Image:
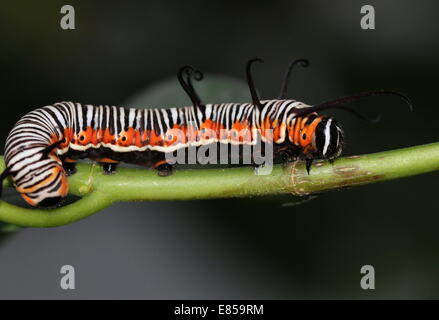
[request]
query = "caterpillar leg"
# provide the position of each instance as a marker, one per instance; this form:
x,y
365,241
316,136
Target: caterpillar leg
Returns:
x,y
69,166
288,156
109,168
308,163
163,168
108,165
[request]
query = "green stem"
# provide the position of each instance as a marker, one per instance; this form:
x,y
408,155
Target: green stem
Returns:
x,y
365,169
99,190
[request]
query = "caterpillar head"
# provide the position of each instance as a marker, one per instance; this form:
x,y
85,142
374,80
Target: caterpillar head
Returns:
x,y
319,137
328,139
43,183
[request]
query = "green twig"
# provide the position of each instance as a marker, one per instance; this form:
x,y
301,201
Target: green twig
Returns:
x,y
99,191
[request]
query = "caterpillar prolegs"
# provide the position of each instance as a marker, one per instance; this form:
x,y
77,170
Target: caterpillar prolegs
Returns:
x,y
43,146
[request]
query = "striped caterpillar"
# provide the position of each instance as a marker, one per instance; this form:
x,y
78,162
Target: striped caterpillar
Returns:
x,y
43,146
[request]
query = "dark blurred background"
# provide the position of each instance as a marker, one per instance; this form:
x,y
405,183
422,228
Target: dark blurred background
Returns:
x,y
238,248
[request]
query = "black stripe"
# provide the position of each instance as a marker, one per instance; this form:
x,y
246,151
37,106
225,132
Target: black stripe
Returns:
x,y
310,120
64,110
84,117
141,120
77,128
117,117
126,116
171,121
104,118
93,116
147,121
54,117
110,121
156,122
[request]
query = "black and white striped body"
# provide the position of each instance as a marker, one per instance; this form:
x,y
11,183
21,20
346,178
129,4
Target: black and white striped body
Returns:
x,y
112,132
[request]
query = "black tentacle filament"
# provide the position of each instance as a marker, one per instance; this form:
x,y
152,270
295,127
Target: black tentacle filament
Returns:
x,y
185,75
340,103
251,84
304,63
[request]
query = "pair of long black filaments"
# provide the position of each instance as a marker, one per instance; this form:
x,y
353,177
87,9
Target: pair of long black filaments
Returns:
x,y
186,73
338,103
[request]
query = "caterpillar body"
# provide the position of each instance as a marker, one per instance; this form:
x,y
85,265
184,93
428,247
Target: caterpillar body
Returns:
x,y
43,146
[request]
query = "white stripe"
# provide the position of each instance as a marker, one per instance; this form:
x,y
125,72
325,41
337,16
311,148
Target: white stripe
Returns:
x,y
194,116
151,121
115,121
174,114
58,115
145,116
101,114
199,115
240,109
327,136
80,117
90,110
208,111
132,115
138,116
122,118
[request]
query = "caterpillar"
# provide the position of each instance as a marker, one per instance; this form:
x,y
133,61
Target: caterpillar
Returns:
x,y
43,146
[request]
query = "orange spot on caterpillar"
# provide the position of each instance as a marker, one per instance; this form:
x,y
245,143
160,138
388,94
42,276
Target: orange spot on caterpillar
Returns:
x,y
155,140
126,138
308,132
95,136
108,137
138,138
85,136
